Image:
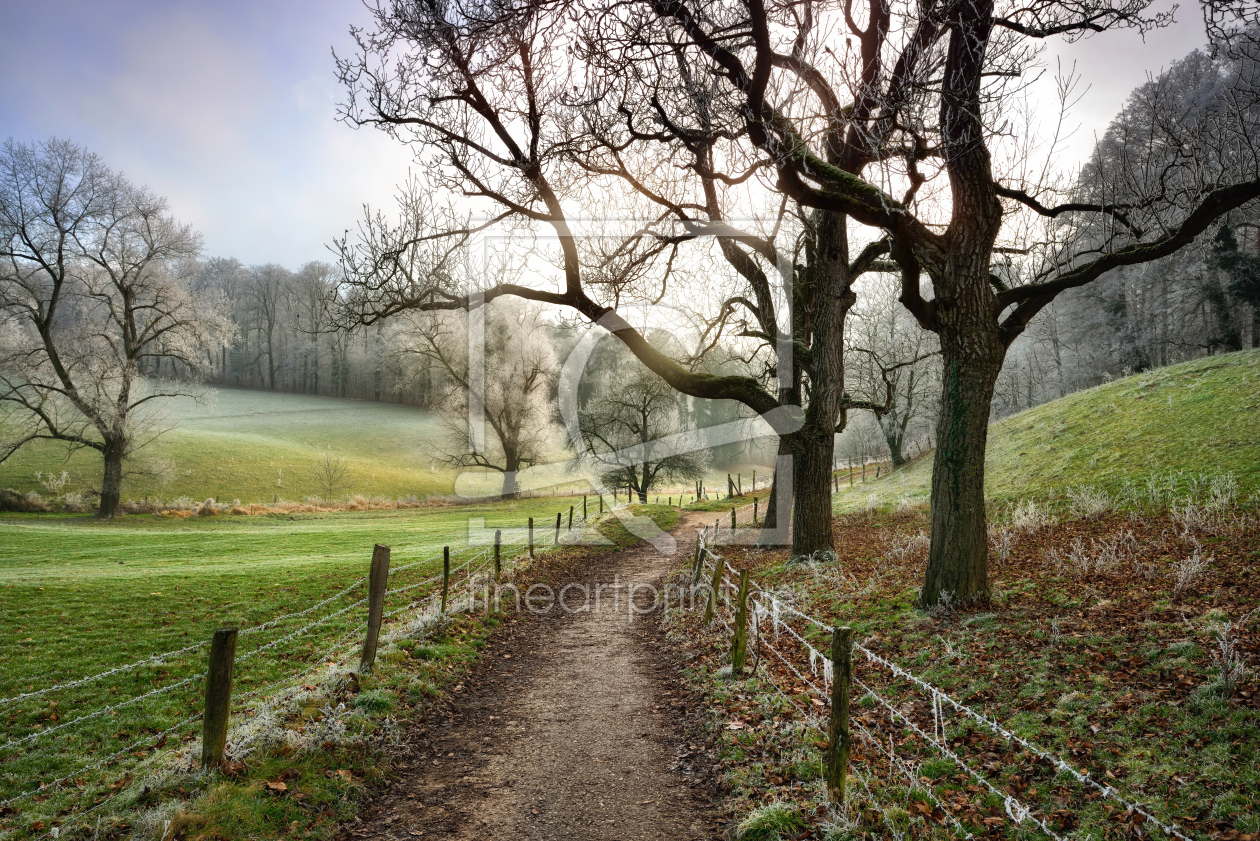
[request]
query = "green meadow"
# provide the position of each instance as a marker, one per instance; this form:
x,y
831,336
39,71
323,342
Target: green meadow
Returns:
x,y
1174,426
79,596
256,446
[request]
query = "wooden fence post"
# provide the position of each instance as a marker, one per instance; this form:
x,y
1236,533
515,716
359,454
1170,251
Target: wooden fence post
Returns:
x,y
601,503
570,518
498,547
218,697
739,647
584,507
698,565
754,510
446,576
556,541
711,608
838,743
378,580
732,519
531,537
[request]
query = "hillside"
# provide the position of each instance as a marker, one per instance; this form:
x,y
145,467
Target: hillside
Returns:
x,y
255,445
1197,419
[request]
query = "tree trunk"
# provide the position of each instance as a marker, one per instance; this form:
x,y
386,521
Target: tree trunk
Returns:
x,y
111,483
811,477
894,438
958,558
771,520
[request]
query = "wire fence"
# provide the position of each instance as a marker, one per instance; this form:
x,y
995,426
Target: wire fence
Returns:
x,y
1033,788
76,744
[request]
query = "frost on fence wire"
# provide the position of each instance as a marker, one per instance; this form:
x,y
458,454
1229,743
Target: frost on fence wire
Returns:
x,y
767,606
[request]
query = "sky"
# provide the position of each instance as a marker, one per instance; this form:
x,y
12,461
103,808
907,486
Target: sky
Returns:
x,y
227,107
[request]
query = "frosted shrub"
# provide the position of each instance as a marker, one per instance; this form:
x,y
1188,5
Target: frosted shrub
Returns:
x,y
53,483
1098,556
1115,551
1186,571
1223,492
819,556
75,503
905,547
1089,503
945,607
1029,516
1231,668
1002,543
1076,560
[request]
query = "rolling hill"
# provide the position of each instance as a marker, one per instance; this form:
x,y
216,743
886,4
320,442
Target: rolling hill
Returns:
x,y
256,445
1176,426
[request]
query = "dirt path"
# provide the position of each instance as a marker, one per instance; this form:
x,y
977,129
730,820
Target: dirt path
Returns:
x,y
571,730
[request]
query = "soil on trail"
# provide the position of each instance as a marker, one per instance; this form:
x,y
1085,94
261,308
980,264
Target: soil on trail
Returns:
x,y
571,729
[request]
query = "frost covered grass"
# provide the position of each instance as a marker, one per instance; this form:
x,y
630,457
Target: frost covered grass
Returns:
x,y
1140,441
1127,645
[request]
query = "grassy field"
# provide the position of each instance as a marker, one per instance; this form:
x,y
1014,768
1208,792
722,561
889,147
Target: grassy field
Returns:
x,y
1177,423
257,445
78,597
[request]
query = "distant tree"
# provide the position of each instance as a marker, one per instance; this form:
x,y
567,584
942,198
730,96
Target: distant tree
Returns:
x,y
95,282
895,363
221,279
310,293
330,474
267,290
622,428
1242,272
512,391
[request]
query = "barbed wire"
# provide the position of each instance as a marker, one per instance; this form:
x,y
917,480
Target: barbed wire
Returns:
x,y
100,763
291,635
155,659
939,697
39,734
268,625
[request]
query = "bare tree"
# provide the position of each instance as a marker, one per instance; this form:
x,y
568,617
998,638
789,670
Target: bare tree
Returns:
x,y
922,101
487,89
906,132
95,282
622,428
330,474
891,355
267,290
508,389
